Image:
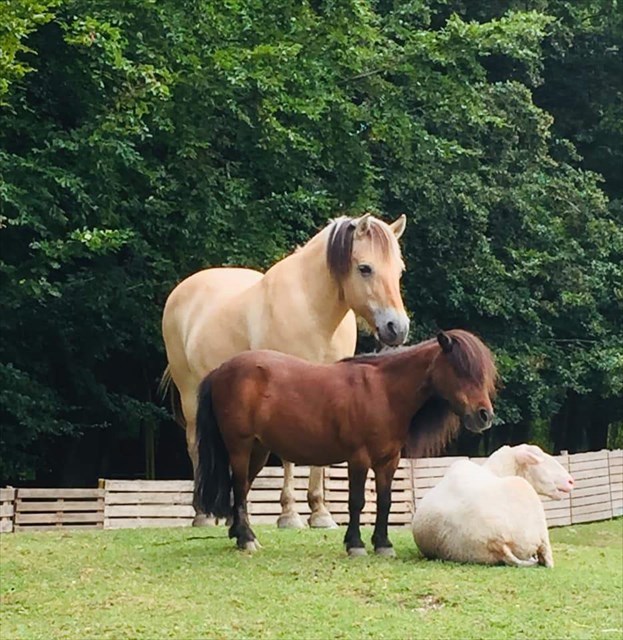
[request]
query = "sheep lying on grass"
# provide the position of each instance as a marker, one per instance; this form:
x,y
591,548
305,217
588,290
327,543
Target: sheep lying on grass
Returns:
x,y
492,513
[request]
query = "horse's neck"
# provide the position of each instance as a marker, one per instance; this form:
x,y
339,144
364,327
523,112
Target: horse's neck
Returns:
x,y
304,280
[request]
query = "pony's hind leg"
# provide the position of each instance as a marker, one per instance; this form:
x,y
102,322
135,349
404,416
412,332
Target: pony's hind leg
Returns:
x,y
356,501
320,517
289,518
240,528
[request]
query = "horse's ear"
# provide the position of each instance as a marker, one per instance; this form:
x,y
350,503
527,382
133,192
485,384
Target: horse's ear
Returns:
x,y
398,226
445,342
362,225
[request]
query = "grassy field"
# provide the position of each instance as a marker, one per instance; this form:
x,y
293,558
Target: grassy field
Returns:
x,y
189,583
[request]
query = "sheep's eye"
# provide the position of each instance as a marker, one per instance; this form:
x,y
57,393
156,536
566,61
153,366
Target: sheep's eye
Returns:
x,y
365,270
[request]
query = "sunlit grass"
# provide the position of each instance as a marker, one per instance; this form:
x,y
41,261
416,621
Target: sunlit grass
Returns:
x,y
190,583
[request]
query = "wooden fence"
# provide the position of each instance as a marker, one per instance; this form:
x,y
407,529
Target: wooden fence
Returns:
x,y
118,504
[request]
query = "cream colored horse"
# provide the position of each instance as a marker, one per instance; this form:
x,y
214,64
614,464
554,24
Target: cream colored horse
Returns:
x,y
303,306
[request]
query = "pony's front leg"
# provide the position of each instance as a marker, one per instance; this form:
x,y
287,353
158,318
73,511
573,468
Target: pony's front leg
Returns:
x,y
320,517
383,479
356,501
289,518
241,528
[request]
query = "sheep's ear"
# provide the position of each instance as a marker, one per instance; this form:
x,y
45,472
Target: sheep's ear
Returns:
x,y
523,455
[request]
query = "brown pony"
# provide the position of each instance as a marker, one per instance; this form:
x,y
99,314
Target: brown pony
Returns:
x,y
361,410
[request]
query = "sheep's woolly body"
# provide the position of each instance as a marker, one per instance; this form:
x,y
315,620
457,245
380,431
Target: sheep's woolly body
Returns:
x,y
508,512
488,514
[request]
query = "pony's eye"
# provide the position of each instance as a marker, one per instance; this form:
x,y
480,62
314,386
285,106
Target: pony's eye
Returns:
x,y
365,270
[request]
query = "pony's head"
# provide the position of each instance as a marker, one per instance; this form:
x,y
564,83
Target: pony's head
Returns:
x,y
463,375
364,257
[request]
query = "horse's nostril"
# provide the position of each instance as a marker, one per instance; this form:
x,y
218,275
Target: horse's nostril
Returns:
x,y
391,329
484,415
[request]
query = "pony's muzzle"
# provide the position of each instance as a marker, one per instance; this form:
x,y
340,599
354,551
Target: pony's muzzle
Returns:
x,y
392,327
479,421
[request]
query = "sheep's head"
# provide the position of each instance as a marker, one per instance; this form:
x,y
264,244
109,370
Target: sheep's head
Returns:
x,y
547,476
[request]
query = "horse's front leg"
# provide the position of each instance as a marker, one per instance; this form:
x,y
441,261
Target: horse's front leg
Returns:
x,y
289,518
320,517
384,476
356,501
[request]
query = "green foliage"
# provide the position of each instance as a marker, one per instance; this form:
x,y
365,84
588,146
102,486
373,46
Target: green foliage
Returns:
x,y
153,139
19,18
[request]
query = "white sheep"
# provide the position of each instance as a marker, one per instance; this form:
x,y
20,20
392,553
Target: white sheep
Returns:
x,y
491,513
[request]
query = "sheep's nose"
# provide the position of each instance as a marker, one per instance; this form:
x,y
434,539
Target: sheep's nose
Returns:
x,y
571,482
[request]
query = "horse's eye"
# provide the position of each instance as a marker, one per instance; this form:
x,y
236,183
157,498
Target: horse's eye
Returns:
x,y
365,270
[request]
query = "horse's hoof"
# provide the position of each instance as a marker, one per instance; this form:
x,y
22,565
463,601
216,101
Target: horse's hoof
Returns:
x,y
201,520
251,546
322,521
356,552
386,552
290,521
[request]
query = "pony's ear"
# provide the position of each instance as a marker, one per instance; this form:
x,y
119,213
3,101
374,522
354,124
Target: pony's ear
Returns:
x,y
445,342
362,225
398,226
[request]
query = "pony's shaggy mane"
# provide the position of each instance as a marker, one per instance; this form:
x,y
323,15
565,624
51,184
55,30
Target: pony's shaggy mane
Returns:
x,y
435,424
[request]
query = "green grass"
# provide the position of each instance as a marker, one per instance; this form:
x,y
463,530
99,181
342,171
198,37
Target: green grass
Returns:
x,y
190,583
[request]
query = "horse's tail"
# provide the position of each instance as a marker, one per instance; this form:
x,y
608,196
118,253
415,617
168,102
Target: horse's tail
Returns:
x,y
168,386
213,481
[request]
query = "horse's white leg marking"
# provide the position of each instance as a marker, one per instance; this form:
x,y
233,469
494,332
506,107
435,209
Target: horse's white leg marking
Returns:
x,y
387,552
289,518
320,517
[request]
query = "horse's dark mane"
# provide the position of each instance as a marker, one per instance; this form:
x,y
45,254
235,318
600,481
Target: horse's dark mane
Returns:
x,y
340,244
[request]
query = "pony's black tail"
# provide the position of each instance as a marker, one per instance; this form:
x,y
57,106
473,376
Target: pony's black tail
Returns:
x,y
213,478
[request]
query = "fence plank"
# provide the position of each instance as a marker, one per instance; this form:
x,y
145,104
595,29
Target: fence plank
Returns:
x,y
142,523
150,511
149,497
24,506
60,493
160,486
57,518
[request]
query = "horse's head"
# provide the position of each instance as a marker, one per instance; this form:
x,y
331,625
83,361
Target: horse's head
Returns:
x,y
464,375
364,257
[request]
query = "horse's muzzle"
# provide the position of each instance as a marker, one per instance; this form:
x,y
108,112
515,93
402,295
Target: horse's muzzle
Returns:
x,y
392,327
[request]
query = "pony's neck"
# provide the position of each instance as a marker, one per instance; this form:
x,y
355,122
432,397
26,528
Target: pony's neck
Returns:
x,y
408,381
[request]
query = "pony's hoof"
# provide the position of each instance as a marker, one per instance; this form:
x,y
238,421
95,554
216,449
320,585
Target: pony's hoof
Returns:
x,y
201,520
252,546
290,521
356,552
322,521
386,552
